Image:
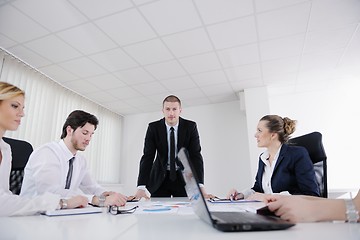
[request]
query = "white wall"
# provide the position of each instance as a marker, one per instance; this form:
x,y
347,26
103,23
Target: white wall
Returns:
x,y
334,111
223,137
226,141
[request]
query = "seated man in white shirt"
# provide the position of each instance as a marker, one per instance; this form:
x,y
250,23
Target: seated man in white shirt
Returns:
x,y
49,168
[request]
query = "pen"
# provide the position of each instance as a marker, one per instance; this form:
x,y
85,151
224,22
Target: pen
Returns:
x,y
233,196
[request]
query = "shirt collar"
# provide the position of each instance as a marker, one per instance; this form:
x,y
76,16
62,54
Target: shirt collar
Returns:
x,y
4,145
265,156
175,127
66,150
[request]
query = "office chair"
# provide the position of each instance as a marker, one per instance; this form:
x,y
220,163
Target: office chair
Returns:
x,y
21,151
313,143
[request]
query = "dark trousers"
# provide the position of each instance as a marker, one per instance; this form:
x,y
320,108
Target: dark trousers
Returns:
x,y
171,188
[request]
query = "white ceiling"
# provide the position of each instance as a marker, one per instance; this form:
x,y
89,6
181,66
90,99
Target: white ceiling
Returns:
x,y
127,55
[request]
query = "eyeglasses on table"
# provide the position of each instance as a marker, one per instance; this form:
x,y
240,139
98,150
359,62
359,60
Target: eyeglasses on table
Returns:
x,y
114,210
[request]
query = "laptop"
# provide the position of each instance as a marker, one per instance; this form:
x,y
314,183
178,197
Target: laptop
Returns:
x,y
223,221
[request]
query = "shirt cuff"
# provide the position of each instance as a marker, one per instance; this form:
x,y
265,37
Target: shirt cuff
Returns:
x,y
141,187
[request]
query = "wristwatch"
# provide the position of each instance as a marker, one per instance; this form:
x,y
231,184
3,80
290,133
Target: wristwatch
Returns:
x,y
102,199
352,215
63,204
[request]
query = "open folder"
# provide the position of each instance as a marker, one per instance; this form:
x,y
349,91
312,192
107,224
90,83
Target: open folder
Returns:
x,y
75,211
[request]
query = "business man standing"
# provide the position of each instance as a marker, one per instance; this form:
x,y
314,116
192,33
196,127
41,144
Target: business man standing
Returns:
x,y
164,138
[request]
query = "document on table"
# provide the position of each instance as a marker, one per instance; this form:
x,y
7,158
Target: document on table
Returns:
x,y
75,211
161,208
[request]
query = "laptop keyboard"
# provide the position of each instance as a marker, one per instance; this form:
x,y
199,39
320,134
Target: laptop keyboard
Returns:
x,y
239,217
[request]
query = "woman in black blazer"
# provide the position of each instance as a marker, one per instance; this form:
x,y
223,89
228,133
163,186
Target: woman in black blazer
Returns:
x,y
282,168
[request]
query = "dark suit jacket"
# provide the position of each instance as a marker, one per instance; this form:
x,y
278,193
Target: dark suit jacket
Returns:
x,y
293,172
152,172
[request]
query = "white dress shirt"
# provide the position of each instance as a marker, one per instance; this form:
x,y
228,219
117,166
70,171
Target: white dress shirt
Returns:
x,y
11,204
268,170
47,169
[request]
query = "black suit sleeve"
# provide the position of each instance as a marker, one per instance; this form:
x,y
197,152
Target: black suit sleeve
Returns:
x,y
147,159
194,149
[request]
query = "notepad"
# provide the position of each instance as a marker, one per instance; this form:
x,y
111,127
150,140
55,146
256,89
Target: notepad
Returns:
x,y
75,211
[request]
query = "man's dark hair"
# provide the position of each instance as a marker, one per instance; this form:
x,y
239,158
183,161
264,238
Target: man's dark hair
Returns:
x,y
78,118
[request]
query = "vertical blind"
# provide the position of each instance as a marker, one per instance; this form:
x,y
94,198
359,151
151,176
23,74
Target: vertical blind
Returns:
x,y
47,104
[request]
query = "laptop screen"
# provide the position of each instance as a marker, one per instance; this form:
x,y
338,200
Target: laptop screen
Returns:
x,y
193,189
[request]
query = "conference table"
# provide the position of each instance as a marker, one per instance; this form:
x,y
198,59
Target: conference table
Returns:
x,y
161,218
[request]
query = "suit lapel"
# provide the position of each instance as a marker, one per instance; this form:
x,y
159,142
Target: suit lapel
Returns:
x,y
181,134
281,156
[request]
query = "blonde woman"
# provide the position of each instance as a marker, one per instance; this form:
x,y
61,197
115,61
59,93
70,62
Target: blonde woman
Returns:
x,y
11,111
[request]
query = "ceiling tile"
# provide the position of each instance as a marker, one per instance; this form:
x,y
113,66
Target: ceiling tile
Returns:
x,y
96,40
330,14
266,5
287,78
121,32
83,67
239,55
124,92
49,46
233,33
114,60
29,56
134,76
201,63
6,42
81,86
351,56
247,83
180,83
209,78
138,101
170,69
105,82
188,43
150,88
18,27
283,22
187,94
140,2
280,66
196,101
149,52
95,9
58,15
243,72
220,10
171,17
100,97
321,60
226,97
217,89
282,47
58,73
327,40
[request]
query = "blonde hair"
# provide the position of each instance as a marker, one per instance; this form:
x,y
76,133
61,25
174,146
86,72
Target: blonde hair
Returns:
x,y
8,91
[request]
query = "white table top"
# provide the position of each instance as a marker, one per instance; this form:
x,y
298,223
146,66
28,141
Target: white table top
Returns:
x,y
181,224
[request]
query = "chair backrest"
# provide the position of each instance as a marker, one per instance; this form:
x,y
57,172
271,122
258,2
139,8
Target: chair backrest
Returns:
x,y
313,143
21,151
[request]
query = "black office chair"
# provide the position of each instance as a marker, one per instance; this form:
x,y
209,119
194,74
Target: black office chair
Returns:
x,y
21,151
313,143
